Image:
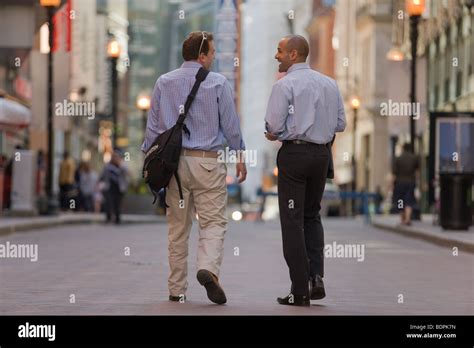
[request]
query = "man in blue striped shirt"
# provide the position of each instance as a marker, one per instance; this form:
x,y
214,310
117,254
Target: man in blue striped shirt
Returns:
x,y
304,111
211,119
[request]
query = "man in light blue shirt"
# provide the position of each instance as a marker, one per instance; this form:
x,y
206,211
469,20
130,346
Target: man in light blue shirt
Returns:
x,y
304,112
211,119
305,105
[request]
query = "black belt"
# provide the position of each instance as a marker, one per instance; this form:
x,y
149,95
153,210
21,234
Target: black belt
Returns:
x,y
301,142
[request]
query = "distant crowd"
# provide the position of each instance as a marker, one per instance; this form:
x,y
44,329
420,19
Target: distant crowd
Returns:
x,y
81,188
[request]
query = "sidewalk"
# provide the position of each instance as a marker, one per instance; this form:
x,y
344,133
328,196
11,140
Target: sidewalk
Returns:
x,y
426,230
17,224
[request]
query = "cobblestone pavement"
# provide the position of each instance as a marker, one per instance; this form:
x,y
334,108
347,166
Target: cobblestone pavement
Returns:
x,y
91,265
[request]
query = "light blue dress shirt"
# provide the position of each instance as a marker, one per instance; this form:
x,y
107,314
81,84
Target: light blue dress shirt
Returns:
x,y
305,105
211,117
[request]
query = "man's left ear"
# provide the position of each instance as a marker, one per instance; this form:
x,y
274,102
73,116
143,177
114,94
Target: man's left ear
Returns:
x,y
294,54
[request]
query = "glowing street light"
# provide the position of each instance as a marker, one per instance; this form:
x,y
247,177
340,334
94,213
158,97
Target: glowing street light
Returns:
x,y
143,104
113,49
355,103
415,7
395,54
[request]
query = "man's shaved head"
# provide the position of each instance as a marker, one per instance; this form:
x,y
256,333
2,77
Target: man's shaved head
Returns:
x,y
292,49
298,43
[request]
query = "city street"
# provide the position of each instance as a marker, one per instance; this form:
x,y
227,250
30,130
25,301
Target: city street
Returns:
x,y
106,270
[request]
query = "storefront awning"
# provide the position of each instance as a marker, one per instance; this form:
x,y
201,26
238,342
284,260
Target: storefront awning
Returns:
x,y
13,114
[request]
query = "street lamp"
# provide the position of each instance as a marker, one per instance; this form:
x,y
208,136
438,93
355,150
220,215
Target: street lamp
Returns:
x,y
113,52
395,54
414,9
50,5
143,104
355,105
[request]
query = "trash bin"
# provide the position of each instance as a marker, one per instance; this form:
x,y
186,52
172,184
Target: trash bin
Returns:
x,y
455,201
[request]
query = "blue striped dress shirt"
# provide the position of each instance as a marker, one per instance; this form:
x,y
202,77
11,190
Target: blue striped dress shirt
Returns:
x,y
211,117
305,105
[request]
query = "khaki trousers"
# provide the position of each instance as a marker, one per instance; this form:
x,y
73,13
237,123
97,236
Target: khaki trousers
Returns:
x,y
205,194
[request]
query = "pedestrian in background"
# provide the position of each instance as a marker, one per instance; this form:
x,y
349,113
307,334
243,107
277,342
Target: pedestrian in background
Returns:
x,y
304,111
262,198
115,182
378,200
79,206
87,186
98,199
405,171
41,174
67,169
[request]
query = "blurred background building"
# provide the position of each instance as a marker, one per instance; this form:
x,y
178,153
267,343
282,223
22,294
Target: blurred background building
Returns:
x,y
363,44
259,72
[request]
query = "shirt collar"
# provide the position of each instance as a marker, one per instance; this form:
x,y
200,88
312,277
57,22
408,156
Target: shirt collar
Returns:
x,y
298,66
191,64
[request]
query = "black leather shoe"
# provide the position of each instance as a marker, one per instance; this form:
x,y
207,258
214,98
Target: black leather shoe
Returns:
x,y
176,298
214,291
317,291
294,300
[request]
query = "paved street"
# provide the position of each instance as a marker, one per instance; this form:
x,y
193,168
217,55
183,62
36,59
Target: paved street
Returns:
x,y
90,262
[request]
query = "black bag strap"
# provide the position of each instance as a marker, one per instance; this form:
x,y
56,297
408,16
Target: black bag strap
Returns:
x,y
200,76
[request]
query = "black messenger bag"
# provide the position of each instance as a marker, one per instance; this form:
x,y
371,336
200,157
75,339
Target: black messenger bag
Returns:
x,y
162,158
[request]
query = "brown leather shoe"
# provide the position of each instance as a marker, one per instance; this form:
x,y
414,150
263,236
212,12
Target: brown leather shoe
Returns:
x,y
177,298
215,293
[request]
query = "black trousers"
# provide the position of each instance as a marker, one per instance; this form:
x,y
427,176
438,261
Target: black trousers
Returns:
x,y
302,171
65,191
113,204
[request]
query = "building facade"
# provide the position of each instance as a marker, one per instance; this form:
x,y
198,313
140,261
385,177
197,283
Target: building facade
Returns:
x,y
364,33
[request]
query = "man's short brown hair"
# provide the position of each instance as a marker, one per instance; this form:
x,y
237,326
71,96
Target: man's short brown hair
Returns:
x,y
193,42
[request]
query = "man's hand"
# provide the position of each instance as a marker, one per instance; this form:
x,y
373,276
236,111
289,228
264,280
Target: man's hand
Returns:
x,y
241,170
270,136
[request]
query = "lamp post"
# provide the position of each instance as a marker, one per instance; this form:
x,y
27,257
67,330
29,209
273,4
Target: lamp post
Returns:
x,y
414,9
50,5
113,52
355,104
143,104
